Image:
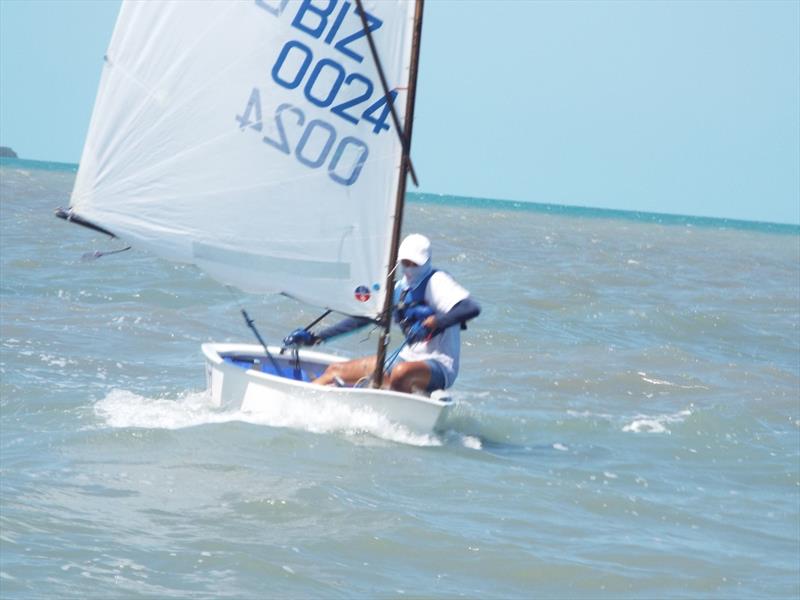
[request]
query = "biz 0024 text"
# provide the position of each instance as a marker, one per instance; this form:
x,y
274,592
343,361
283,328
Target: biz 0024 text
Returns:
x,y
324,82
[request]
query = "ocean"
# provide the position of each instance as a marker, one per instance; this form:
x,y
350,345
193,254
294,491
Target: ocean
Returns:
x,y
627,420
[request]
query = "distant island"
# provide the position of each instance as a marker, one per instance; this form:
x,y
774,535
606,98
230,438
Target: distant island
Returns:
x,y
6,152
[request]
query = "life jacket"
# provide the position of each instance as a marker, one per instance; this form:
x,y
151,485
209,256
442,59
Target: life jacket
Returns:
x,y
408,298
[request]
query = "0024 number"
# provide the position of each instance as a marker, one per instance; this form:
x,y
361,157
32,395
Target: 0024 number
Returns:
x,y
316,141
326,81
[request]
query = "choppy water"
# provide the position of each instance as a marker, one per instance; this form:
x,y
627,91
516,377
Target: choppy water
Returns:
x,y
627,426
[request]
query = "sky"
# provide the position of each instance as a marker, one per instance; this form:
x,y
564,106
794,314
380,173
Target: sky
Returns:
x,y
676,107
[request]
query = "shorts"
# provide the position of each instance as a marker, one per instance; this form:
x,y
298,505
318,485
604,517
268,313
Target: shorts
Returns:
x,y
438,380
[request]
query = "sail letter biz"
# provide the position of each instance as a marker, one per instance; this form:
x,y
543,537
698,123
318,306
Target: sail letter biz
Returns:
x,y
319,17
325,83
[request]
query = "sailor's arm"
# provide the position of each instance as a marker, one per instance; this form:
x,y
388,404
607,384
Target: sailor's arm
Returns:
x,y
463,311
303,337
346,325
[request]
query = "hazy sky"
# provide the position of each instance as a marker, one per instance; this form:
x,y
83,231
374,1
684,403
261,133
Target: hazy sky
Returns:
x,y
677,107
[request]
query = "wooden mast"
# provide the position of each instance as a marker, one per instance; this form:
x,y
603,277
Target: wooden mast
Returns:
x,y
386,314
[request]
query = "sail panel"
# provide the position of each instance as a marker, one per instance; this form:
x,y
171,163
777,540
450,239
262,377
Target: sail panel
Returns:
x,y
252,138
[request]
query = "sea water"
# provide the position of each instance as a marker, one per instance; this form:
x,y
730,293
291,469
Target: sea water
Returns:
x,y
627,421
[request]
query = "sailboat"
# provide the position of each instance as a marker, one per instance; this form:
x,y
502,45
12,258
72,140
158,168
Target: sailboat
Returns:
x,y
267,143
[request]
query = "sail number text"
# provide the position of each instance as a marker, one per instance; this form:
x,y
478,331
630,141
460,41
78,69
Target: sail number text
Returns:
x,y
317,139
325,83
290,71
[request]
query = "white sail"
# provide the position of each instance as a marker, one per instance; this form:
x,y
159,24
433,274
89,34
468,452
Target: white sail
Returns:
x,y
251,138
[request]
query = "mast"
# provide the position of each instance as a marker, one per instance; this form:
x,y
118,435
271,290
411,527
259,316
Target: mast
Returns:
x,y
386,313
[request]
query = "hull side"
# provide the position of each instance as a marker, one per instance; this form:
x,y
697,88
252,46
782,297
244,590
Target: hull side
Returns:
x,y
236,388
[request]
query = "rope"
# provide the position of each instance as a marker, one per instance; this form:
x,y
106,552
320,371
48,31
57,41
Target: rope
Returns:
x,y
393,356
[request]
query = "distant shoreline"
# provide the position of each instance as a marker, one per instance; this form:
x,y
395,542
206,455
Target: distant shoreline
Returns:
x,y
524,205
605,213
38,164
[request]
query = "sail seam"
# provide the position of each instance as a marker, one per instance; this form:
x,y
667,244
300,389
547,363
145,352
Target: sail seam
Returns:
x,y
269,263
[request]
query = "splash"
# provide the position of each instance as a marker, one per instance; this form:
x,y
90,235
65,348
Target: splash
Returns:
x,y
123,409
656,424
639,423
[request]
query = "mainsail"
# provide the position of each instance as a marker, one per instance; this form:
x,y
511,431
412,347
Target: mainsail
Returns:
x,y
253,139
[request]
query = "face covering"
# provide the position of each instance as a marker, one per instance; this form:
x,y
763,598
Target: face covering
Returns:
x,y
412,276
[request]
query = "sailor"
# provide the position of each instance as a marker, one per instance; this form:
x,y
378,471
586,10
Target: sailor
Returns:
x,y
431,309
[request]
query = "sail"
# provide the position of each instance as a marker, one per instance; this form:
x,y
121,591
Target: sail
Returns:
x,y
253,139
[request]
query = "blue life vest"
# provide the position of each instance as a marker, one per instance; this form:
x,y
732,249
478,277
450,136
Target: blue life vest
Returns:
x,y
411,297
408,298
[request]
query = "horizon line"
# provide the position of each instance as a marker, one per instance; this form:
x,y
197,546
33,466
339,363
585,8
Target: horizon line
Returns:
x,y
547,207
599,212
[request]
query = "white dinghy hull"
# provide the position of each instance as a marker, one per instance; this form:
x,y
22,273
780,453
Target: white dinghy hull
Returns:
x,y
237,380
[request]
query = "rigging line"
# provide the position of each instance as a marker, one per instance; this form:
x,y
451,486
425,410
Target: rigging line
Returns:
x,y
338,312
400,133
393,357
390,360
318,319
382,313
251,324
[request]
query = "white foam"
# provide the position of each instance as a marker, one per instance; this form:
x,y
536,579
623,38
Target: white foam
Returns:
x,y
655,424
472,442
122,409
669,383
589,414
55,361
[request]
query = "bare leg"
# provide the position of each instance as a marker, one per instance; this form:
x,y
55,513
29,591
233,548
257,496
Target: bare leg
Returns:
x,y
410,377
349,372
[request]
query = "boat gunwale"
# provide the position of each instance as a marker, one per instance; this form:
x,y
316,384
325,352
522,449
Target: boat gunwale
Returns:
x,y
214,353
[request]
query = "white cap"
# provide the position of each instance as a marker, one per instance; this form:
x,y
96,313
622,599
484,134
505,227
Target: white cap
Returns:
x,y
416,248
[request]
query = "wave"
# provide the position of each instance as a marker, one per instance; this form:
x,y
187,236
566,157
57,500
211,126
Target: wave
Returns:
x,y
655,424
638,423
